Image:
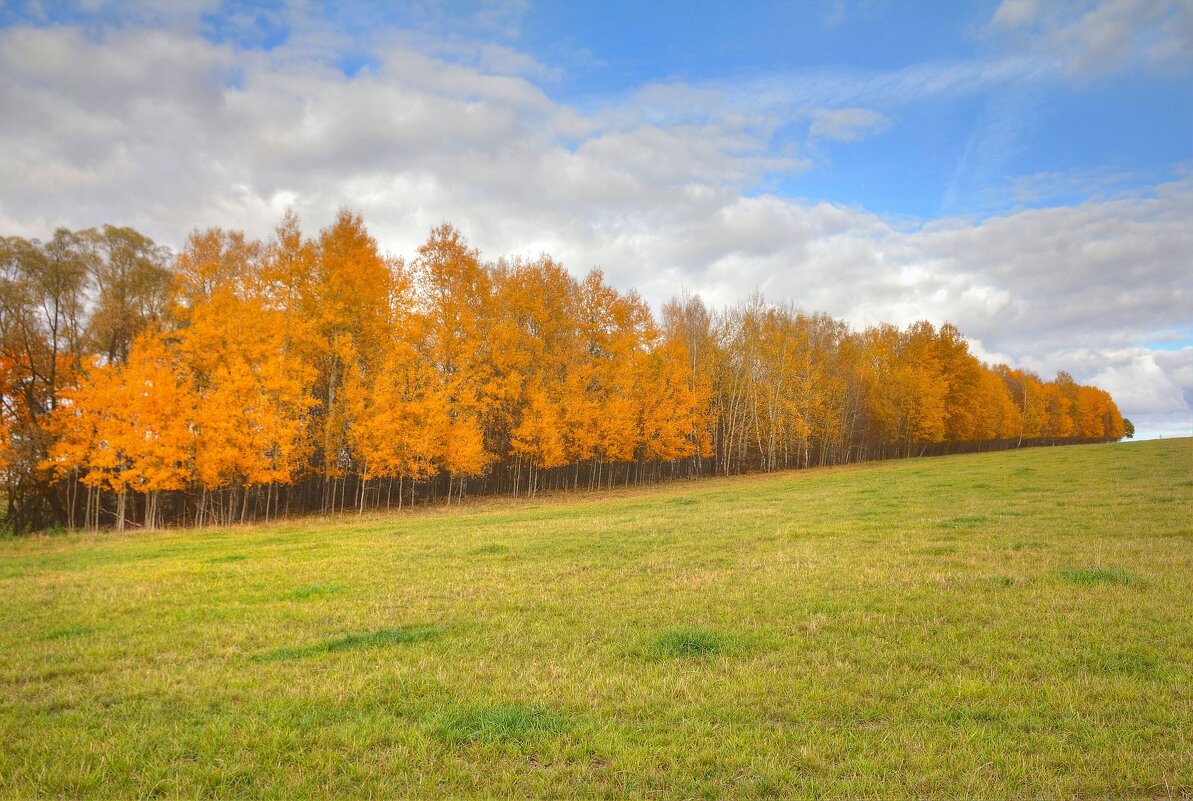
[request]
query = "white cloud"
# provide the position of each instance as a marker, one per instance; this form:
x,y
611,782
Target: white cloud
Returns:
x,y
803,91
845,124
1014,13
1136,376
1094,39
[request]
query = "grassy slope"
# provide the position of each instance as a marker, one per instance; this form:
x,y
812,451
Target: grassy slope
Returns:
x,y
1014,624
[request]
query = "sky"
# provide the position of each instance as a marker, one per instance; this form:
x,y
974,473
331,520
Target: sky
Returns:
x,y
1022,169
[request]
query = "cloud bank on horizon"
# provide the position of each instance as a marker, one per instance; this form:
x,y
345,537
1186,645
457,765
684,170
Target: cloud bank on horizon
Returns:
x,y
1023,170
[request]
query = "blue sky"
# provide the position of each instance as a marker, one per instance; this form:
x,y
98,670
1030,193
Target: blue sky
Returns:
x,y
1047,135
1021,168
956,152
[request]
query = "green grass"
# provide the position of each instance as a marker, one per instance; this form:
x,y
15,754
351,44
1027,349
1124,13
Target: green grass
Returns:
x,y
68,632
1099,575
498,723
315,591
1011,625
687,641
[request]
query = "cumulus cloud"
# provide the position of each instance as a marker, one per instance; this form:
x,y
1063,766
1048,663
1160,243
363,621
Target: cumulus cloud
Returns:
x,y
1097,38
165,129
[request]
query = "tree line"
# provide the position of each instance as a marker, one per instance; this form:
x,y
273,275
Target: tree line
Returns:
x,y
247,380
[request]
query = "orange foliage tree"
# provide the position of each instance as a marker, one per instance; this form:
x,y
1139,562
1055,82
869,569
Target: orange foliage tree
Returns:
x,y
258,378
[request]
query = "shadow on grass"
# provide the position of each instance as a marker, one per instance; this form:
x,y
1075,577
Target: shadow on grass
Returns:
x,y
1087,576
70,633
492,549
965,716
401,636
498,724
219,560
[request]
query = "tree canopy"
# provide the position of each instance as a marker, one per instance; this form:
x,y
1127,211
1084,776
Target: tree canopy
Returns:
x,y
242,379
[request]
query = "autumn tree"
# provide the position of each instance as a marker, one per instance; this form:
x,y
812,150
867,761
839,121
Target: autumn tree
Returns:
x,y
688,333
42,319
350,305
252,388
128,427
454,298
210,385
535,349
131,277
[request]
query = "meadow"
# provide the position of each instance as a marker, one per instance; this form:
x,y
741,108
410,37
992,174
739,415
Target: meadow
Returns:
x,y
1016,624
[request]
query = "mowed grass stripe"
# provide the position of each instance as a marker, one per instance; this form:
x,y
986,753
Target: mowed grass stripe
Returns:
x,y
1010,625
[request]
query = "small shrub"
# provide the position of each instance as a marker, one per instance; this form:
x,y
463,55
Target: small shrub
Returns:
x,y
688,641
498,724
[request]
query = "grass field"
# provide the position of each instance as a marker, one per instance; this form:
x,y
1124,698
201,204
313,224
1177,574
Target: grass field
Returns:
x,y
1016,624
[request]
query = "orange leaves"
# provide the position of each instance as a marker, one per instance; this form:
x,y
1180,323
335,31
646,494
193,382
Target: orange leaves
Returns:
x,y
454,295
1026,394
352,296
129,426
1062,407
1097,416
580,409
251,387
924,387
671,406
538,439
464,451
